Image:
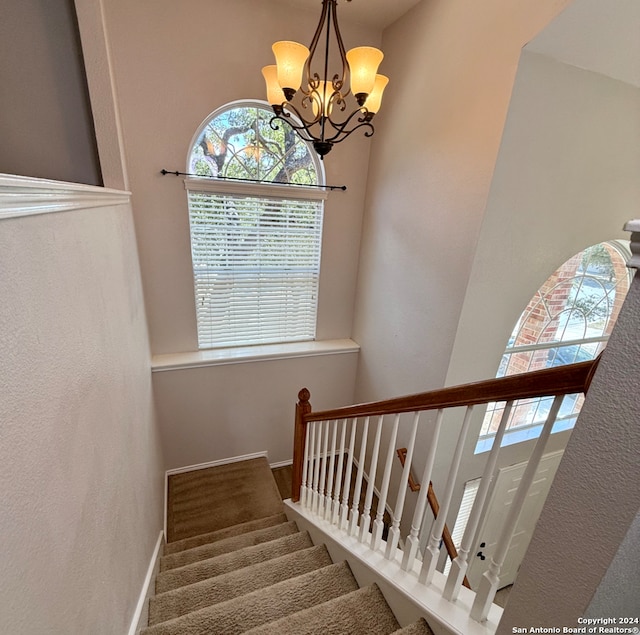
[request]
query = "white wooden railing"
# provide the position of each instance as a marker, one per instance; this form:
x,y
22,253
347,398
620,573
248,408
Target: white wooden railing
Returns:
x,y
328,444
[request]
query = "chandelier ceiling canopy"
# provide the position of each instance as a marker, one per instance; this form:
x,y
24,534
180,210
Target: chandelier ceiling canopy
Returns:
x,y
299,84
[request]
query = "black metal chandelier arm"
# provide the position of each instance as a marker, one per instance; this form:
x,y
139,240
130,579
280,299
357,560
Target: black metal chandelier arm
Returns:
x,y
342,134
340,126
282,113
343,53
298,128
314,42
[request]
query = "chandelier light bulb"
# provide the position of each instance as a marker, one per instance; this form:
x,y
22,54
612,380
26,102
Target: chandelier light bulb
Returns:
x,y
321,99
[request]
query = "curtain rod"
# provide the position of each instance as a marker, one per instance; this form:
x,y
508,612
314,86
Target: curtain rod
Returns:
x,y
230,178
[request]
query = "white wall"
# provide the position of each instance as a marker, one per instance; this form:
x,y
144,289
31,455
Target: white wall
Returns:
x,y
174,63
80,459
218,412
452,64
565,179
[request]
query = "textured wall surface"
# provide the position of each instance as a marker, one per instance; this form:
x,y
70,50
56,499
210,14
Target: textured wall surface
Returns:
x,y
80,461
618,594
217,412
173,66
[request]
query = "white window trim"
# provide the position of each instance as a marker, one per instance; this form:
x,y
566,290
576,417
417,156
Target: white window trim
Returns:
x,y
249,354
258,189
271,190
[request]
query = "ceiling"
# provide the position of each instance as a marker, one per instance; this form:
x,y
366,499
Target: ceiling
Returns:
x,y
597,35
376,13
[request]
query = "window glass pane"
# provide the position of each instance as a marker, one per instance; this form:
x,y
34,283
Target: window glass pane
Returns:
x,y
567,321
256,258
240,143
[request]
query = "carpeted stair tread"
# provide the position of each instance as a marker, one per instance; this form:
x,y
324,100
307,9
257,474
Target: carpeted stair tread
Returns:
x,y
361,612
264,605
210,550
203,569
210,499
212,591
417,628
221,534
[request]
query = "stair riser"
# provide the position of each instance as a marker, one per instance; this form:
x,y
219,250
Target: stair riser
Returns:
x,y
205,552
228,586
204,569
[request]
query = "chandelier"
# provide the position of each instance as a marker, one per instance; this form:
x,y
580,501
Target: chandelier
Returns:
x,y
319,104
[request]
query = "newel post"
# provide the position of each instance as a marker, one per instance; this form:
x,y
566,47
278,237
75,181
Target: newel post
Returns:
x,y
303,408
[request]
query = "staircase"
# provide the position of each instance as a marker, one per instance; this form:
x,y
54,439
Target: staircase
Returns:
x,y
260,576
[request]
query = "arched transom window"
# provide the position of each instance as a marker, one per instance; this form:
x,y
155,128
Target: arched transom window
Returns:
x,y
568,320
256,229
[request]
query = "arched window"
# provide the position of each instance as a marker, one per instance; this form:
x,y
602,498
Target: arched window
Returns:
x,y
256,229
568,320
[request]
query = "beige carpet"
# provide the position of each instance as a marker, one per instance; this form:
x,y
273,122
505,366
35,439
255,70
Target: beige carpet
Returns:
x,y
207,500
259,575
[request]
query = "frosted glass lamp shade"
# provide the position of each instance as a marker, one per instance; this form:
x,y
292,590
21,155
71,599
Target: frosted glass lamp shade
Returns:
x,y
375,96
363,66
275,96
290,59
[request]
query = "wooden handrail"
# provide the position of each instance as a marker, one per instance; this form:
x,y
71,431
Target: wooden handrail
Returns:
x,y
560,380
402,455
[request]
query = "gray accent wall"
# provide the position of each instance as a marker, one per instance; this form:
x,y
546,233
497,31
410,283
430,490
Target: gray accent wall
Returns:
x,y
46,127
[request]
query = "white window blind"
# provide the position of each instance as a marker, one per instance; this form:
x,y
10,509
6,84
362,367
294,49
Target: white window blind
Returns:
x,y
468,499
256,264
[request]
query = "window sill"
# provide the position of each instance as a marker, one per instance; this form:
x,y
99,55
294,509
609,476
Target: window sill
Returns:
x,y
245,354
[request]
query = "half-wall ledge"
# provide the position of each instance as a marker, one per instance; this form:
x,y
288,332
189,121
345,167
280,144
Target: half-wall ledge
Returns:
x,y
633,226
244,354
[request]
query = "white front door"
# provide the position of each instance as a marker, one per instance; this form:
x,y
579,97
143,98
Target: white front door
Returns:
x,y
506,485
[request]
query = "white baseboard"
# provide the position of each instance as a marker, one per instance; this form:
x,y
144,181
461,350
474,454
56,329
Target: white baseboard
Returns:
x,y
141,614
202,466
275,466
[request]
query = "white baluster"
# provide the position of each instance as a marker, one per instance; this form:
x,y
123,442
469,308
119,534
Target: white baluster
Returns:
x,y
365,519
378,524
316,466
461,563
336,495
432,552
411,547
353,521
323,469
332,464
490,580
344,508
394,531
305,467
